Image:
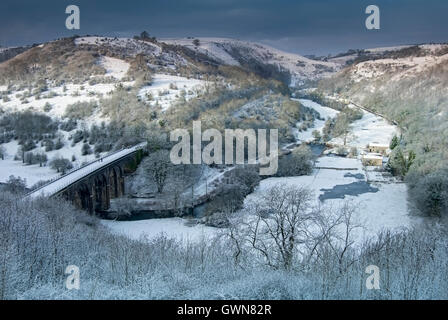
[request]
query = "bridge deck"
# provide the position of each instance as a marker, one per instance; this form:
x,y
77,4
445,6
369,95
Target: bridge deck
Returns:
x,y
60,183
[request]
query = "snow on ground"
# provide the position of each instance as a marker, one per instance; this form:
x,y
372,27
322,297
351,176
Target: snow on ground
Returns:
x,y
60,99
224,51
72,94
208,182
170,227
137,46
381,205
32,173
35,173
116,68
399,68
387,49
342,60
208,46
384,209
339,162
369,129
165,89
325,113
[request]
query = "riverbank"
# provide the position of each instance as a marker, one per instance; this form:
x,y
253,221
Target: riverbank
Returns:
x,y
380,200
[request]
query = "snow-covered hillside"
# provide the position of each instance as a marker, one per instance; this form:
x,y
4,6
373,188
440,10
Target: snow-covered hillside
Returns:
x,y
58,97
401,64
114,67
130,45
163,92
236,52
165,89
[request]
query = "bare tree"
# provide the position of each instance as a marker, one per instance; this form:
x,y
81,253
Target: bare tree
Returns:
x,y
280,225
342,127
335,235
158,165
287,232
2,152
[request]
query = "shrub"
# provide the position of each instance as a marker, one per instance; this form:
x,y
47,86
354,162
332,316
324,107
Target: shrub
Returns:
x,y
299,162
2,152
33,158
47,107
79,136
68,125
400,163
80,110
86,149
48,144
15,185
61,164
28,145
59,144
429,194
28,125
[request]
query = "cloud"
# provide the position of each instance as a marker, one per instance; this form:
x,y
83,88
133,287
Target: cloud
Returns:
x,y
302,26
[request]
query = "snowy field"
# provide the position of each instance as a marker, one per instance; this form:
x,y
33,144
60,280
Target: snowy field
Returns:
x,y
31,173
114,67
175,228
165,89
384,209
136,46
35,173
60,99
369,129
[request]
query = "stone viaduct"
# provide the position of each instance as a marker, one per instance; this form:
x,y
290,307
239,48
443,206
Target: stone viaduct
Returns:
x,y
91,187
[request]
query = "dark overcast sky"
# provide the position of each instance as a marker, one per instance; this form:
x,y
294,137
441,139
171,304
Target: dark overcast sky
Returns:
x,y
301,26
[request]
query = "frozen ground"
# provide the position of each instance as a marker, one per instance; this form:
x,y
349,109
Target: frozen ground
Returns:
x,y
114,67
133,45
170,227
167,88
385,208
369,129
31,173
35,173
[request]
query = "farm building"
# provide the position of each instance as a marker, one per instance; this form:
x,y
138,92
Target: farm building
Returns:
x,y
378,148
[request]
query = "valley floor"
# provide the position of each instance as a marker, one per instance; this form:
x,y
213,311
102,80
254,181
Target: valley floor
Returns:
x,y
380,200
379,205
